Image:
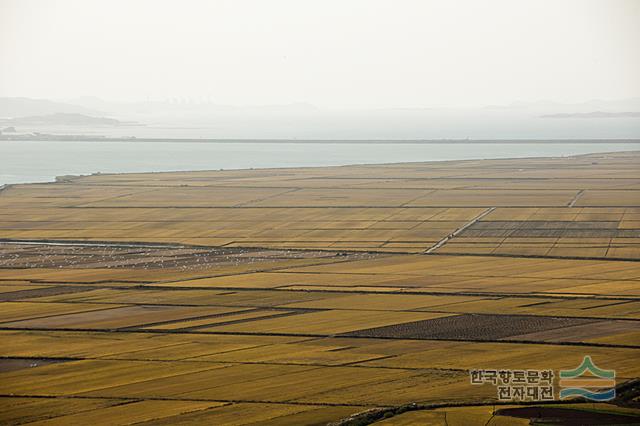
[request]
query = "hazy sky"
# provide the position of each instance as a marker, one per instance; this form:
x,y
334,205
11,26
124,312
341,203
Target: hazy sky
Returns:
x,y
334,53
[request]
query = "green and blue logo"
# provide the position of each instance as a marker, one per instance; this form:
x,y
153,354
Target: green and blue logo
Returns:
x,y
588,381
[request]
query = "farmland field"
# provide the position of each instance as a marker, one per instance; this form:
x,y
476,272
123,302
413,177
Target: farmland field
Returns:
x,y
310,295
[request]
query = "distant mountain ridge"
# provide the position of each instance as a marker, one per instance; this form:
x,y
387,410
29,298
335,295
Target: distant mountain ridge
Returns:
x,y
65,119
19,107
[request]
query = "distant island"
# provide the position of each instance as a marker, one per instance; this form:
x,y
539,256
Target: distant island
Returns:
x,y
594,114
65,119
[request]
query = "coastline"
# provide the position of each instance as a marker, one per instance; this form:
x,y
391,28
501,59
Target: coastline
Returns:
x,y
88,138
228,160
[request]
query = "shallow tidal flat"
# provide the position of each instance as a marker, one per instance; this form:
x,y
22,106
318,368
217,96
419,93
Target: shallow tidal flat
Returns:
x,y
304,296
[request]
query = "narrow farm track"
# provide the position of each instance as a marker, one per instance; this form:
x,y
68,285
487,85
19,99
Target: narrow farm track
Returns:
x,y
443,241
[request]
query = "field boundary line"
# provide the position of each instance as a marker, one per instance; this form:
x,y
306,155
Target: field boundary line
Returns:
x,y
316,335
156,398
540,256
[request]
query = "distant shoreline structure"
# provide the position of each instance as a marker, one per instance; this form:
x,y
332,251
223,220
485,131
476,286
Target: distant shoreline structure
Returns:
x,y
42,137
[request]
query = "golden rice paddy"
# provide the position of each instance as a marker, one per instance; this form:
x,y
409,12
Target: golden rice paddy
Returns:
x,y
306,296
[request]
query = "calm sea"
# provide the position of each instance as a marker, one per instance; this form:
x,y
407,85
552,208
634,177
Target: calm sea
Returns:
x,y
35,161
